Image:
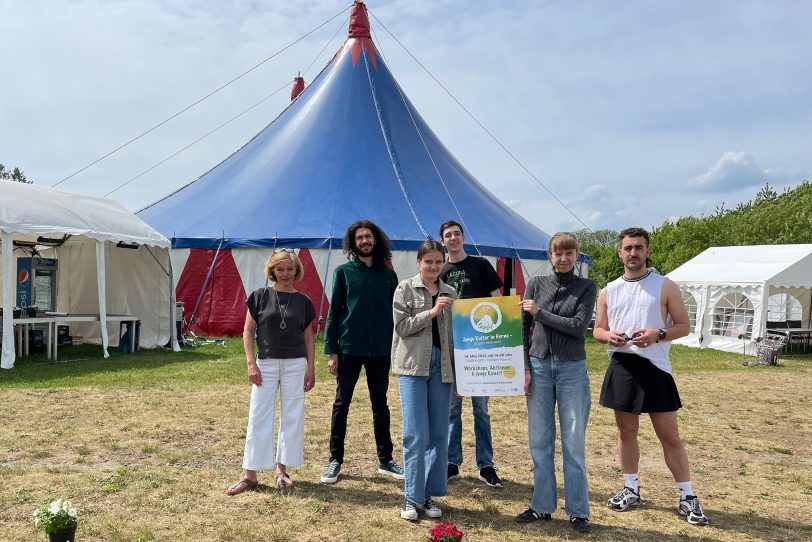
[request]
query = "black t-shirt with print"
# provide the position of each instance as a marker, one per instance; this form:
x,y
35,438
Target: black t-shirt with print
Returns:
x,y
274,342
471,277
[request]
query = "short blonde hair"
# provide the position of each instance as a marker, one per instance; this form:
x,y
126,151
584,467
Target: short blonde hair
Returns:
x,y
280,255
563,240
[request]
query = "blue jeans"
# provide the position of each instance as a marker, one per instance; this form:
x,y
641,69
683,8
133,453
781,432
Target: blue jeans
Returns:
x,y
567,383
424,402
482,432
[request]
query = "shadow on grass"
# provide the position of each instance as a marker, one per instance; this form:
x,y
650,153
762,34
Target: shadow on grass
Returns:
x,y
502,521
749,522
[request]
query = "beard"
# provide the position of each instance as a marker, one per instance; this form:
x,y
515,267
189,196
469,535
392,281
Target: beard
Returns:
x,y
365,250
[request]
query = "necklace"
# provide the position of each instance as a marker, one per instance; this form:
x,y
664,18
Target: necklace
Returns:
x,y
282,324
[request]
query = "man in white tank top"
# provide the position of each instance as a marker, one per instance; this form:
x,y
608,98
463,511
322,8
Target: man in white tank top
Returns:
x,y
639,315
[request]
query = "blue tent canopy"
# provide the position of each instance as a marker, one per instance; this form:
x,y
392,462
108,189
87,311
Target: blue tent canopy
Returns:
x,y
350,146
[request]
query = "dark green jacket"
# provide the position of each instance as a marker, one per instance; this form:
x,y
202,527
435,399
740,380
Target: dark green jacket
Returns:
x,y
359,322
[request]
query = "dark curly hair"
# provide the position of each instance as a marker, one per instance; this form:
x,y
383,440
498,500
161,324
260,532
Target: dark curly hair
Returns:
x,y
381,252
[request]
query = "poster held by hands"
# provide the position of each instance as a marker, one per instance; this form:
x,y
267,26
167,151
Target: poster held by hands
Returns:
x,y
488,354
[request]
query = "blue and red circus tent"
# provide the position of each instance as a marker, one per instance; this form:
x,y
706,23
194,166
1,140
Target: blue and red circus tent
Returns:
x,y
351,145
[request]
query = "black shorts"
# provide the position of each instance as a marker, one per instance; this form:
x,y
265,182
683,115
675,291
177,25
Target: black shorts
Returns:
x,y
633,384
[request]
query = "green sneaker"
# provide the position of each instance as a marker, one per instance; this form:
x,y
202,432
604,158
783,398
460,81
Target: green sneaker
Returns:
x,y
391,469
330,475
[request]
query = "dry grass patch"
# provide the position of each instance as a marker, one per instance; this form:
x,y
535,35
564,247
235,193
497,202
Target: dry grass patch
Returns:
x,y
148,461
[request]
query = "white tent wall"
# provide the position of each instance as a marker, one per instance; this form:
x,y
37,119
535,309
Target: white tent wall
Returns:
x,y
139,283
136,284
708,297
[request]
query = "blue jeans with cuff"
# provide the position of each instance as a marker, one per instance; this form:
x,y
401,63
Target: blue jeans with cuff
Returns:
x,y
566,383
425,403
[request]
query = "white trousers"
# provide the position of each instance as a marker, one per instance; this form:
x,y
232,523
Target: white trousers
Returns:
x,y
283,378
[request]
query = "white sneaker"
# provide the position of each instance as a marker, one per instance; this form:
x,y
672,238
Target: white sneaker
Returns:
x,y
408,510
431,509
691,510
625,499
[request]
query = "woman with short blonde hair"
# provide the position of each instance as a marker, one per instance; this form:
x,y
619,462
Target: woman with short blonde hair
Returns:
x,y
280,317
279,255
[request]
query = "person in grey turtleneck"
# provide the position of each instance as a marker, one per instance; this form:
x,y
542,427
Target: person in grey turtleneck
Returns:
x,y
557,309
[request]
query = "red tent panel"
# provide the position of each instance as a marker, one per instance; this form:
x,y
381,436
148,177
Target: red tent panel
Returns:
x,y
222,307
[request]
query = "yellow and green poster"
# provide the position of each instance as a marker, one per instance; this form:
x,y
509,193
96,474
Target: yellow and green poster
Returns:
x,y
488,354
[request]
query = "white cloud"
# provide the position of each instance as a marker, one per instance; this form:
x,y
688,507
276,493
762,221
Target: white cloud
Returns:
x,y
734,170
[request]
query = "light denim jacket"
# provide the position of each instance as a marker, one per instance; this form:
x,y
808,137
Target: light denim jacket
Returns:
x,y
411,338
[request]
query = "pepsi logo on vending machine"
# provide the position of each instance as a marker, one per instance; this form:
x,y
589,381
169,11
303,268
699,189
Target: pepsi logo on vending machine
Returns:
x,y
24,270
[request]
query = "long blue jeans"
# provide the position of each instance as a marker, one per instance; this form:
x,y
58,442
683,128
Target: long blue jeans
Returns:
x,y
482,432
425,402
567,383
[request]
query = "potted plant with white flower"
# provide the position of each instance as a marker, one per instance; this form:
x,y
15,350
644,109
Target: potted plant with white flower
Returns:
x,y
58,520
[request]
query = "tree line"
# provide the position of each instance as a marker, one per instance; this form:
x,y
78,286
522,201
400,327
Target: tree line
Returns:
x,y
770,218
13,175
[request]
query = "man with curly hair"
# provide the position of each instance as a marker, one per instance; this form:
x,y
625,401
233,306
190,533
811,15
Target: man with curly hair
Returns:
x,y
359,334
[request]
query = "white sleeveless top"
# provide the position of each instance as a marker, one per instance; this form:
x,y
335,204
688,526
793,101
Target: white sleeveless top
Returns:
x,y
635,304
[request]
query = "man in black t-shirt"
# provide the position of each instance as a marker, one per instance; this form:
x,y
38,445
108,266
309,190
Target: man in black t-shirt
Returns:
x,y
470,276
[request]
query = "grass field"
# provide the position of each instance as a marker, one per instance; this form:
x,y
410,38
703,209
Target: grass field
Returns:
x,y
145,444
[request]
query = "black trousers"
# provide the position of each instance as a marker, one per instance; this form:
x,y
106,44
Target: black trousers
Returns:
x,y
349,369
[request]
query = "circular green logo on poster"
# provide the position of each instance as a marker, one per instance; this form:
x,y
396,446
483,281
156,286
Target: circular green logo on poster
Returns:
x,y
486,317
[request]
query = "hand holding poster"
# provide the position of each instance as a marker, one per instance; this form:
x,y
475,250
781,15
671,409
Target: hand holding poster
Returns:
x,y
488,356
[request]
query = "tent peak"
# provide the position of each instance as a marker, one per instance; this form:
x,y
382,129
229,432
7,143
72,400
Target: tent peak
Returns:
x,y
359,22
298,87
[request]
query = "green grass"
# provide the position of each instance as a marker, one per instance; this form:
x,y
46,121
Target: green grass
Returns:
x,y
212,364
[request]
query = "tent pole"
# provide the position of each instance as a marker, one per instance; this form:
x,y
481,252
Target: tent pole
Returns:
x,y
275,239
7,354
102,280
324,283
203,289
173,330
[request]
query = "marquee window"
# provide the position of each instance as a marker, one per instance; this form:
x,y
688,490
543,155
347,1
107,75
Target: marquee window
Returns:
x,y
691,306
783,307
733,316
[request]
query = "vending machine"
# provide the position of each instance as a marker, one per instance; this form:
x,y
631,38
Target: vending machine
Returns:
x,y
36,287
36,283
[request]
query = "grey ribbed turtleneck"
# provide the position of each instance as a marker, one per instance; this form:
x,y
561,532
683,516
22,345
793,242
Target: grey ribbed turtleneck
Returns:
x,y
565,306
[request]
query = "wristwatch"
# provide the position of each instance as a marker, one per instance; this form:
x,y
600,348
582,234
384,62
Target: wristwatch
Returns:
x,y
662,335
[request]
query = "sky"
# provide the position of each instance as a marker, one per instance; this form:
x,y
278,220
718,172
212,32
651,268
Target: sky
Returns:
x,y
629,113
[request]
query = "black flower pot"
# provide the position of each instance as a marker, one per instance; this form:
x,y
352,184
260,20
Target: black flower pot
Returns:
x,y
16,313
64,535
31,311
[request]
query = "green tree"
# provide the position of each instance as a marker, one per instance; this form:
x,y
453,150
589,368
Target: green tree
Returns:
x,y
13,175
601,246
769,219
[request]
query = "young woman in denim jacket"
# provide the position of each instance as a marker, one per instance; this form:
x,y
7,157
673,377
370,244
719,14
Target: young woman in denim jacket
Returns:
x,y
423,356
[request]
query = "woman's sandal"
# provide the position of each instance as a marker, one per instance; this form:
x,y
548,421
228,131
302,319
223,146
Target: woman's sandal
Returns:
x,y
283,481
243,485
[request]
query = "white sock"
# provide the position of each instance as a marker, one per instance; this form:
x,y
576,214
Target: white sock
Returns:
x,y
632,481
685,490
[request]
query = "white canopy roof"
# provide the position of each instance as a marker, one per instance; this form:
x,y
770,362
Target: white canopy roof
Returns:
x,y
776,265
36,210
140,281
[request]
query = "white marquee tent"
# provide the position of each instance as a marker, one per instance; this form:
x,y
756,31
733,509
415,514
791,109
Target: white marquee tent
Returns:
x,y
727,291
95,275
